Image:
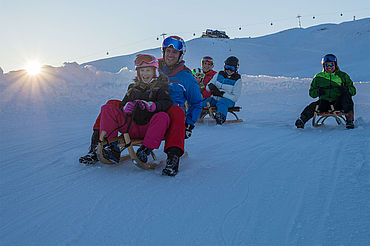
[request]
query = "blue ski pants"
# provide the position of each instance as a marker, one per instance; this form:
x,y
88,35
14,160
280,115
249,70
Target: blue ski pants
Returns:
x,y
222,105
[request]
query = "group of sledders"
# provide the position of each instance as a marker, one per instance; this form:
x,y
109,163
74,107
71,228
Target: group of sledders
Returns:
x,y
153,107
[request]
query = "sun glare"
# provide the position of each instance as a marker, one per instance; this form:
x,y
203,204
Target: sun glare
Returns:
x,y
33,68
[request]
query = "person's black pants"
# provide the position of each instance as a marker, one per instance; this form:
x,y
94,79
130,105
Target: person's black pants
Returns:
x,y
344,103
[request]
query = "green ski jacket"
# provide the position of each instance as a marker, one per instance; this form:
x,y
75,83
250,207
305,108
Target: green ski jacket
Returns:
x,y
329,84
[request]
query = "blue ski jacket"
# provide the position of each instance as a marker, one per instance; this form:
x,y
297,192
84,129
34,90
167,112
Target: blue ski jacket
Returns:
x,y
183,87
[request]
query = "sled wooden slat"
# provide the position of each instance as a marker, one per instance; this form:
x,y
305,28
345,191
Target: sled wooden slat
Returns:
x,y
319,117
210,112
122,143
134,157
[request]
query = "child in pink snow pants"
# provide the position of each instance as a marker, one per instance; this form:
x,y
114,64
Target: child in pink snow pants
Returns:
x,y
152,133
142,112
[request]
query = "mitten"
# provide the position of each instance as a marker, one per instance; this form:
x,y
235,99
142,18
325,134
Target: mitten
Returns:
x,y
129,107
149,106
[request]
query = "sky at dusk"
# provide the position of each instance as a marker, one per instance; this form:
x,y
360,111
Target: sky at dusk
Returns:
x,y
53,32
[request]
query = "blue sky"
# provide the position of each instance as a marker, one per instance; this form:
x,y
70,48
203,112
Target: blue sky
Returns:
x,y
54,32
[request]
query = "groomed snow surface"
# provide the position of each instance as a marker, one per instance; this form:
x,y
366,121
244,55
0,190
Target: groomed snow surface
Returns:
x,y
260,182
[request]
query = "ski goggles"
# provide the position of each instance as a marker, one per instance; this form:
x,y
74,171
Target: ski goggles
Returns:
x,y
141,59
207,59
329,64
231,68
329,58
175,43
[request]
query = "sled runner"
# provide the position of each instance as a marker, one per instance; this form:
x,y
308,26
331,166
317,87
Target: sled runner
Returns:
x,y
125,142
210,111
319,117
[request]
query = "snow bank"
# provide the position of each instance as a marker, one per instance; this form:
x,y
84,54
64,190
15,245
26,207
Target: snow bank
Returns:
x,y
82,85
263,83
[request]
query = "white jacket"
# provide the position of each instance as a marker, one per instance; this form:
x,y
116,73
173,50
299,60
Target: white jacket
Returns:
x,y
231,85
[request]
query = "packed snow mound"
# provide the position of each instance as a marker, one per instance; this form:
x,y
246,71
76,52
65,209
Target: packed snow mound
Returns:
x,y
82,85
295,52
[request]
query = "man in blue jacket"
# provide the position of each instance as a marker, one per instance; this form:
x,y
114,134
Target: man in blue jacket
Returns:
x,y
183,87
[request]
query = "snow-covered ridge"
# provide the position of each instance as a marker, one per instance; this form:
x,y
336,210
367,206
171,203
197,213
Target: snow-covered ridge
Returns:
x,y
293,53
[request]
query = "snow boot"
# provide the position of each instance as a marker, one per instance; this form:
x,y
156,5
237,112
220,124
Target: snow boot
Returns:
x,y
349,121
91,157
172,165
112,152
299,123
142,153
220,119
350,125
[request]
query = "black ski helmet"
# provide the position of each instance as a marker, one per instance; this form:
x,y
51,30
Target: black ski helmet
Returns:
x,y
232,61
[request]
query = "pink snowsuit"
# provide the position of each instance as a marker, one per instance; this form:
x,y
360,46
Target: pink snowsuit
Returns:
x,y
146,125
152,133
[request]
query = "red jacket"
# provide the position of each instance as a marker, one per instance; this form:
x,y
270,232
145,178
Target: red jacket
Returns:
x,y
207,77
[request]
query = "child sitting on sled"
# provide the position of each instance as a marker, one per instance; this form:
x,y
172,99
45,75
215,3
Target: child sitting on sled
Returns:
x,y
225,88
204,75
145,104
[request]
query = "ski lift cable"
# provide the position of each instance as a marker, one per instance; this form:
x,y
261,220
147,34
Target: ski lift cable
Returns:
x,y
115,48
227,28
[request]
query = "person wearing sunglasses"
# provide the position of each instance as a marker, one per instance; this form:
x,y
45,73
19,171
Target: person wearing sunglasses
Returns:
x,y
183,88
225,89
332,87
207,75
146,102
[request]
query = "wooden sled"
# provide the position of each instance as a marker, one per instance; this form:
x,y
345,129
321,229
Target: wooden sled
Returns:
x,y
210,111
124,142
319,117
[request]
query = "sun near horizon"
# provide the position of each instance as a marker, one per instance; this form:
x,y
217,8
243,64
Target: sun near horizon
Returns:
x,y
33,67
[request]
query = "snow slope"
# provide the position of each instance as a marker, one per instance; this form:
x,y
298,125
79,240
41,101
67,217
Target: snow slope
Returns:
x,y
294,52
260,182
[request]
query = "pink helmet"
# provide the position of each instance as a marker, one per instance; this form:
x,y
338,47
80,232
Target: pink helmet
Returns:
x,y
144,60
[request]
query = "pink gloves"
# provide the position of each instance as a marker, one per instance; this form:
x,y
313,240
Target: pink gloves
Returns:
x,y
129,107
144,105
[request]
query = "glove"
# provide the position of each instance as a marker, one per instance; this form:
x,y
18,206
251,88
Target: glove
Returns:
x,y
129,107
149,106
188,130
212,87
320,91
219,93
215,91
